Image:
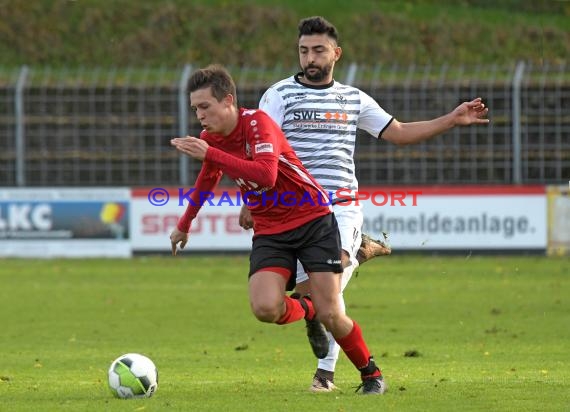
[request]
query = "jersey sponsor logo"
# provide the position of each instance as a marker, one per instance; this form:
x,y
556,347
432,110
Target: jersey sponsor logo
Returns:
x,y
336,116
264,148
319,116
307,115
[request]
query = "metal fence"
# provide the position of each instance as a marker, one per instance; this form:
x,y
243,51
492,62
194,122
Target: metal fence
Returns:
x,y
110,127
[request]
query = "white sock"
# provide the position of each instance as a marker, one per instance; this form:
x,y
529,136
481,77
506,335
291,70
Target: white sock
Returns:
x,y
329,363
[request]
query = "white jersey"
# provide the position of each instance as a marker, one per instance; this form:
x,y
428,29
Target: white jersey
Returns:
x,y
320,123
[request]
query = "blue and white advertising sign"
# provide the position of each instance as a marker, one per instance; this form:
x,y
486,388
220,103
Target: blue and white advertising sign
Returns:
x,y
53,222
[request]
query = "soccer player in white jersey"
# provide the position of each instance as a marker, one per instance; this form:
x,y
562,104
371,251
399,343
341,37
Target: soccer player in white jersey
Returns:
x,y
319,117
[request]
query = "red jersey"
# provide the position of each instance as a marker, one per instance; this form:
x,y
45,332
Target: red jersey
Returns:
x,y
278,190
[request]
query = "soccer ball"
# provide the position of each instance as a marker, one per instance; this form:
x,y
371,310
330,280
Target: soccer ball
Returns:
x,y
133,376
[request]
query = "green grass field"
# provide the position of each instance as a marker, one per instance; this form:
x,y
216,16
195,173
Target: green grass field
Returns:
x,y
491,333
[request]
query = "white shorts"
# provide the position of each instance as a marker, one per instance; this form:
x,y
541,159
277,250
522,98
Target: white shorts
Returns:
x,y
349,218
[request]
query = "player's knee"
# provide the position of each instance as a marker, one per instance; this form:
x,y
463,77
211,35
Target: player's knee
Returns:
x,y
329,317
265,311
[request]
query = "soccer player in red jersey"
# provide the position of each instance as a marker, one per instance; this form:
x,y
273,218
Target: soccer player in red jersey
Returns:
x,y
320,118
292,217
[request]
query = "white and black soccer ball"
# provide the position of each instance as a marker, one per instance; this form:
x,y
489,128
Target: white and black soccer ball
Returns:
x,y
133,376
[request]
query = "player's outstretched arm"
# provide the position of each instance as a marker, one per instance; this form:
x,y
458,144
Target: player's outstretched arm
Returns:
x,y
206,182
467,113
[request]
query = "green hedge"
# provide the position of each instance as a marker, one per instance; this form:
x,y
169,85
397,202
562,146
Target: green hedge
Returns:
x,y
258,33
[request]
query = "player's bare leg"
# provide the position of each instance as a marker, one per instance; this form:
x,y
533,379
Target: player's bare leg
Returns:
x,y
319,338
266,292
323,378
270,304
325,290
349,223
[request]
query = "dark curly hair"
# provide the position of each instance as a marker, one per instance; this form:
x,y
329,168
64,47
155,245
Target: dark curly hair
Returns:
x,y
317,25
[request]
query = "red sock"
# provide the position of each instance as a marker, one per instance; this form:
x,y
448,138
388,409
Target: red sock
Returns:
x,y
354,346
293,311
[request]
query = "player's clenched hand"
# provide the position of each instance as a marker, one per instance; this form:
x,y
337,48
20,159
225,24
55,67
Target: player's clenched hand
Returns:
x,y
471,112
191,146
245,219
178,237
